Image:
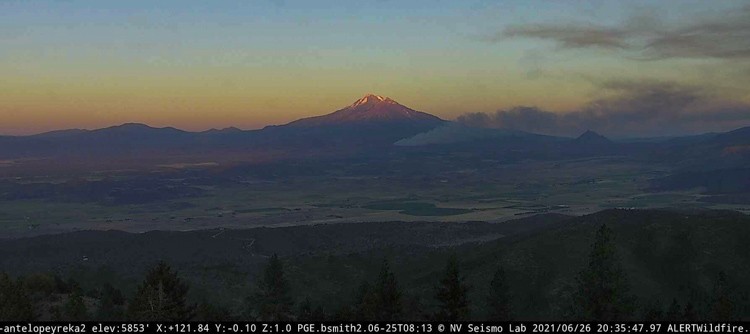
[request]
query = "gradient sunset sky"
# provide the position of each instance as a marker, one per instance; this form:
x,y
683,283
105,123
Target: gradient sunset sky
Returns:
x,y
197,65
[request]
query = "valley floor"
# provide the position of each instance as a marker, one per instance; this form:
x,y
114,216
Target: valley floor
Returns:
x,y
197,197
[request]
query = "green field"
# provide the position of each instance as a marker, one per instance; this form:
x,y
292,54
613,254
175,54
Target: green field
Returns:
x,y
407,207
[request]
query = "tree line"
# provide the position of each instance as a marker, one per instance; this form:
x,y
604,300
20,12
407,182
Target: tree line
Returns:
x,y
601,292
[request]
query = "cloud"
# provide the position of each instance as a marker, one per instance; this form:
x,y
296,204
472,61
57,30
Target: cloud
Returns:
x,y
648,38
572,36
626,109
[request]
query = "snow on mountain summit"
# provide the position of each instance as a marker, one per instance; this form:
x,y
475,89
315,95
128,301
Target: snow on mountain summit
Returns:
x,y
370,108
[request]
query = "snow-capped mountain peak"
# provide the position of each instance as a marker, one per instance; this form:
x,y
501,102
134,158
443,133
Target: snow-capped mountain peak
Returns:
x,y
371,98
368,109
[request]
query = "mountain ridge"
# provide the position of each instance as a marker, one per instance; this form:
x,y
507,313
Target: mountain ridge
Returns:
x,y
592,138
371,123
369,108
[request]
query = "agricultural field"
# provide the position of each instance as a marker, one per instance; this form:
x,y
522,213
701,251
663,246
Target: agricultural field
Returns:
x,y
205,196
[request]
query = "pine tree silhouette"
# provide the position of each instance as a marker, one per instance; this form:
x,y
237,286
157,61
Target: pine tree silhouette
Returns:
x,y
15,304
723,306
603,292
74,308
160,297
363,302
306,311
673,312
653,311
386,296
689,313
272,301
499,297
110,304
452,294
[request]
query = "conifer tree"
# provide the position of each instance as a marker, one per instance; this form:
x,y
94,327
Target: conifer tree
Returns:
x,y
364,302
723,305
161,297
15,304
689,313
110,304
653,311
603,292
452,294
386,296
306,311
272,300
499,297
74,308
673,312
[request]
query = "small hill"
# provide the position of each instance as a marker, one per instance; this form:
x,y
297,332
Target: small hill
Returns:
x,y
591,138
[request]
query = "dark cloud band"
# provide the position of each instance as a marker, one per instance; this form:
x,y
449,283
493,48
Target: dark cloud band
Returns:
x,y
725,37
630,108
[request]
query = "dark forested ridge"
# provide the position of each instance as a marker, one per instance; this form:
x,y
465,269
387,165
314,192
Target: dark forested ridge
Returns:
x,y
615,264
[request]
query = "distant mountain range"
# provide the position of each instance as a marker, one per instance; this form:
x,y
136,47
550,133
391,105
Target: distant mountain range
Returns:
x,y
372,122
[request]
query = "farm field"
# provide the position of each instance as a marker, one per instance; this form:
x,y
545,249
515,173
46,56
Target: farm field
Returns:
x,y
200,197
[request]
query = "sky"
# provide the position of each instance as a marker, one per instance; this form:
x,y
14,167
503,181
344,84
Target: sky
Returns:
x,y
623,68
